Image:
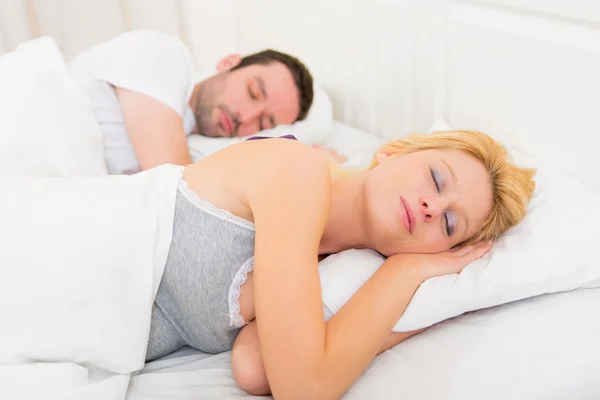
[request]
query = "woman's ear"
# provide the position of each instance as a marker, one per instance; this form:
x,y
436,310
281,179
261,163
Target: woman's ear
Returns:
x,y
228,62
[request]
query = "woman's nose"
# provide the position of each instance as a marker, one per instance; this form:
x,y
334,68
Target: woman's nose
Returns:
x,y
431,208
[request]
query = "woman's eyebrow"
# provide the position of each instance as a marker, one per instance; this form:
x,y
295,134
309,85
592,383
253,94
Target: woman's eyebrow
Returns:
x,y
465,214
454,178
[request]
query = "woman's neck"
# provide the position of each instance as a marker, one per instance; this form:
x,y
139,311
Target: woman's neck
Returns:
x,y
345,226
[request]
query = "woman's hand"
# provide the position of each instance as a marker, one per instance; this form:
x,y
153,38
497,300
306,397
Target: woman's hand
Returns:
x,y
448,262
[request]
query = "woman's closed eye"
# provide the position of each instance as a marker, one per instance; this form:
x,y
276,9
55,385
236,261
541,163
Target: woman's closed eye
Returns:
x,y
437,179
450,220
449,217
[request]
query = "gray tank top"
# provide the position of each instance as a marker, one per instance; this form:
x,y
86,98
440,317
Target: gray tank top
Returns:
x,y
197,301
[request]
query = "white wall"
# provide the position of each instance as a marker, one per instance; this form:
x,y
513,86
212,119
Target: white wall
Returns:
x,y
362,51
527,73
207,26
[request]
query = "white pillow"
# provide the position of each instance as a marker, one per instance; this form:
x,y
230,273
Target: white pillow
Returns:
x,y
356,145
552,250
315,128
47,127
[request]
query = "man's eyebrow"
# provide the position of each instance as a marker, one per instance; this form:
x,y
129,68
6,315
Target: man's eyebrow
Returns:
x,y
261,84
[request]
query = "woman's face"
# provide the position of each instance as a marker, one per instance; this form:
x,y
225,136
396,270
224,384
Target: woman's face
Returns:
x,y
425,202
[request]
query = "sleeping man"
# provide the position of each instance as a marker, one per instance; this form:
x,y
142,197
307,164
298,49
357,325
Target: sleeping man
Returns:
x,y
146,100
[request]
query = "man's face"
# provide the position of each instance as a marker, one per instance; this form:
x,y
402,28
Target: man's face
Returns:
x,y
247,100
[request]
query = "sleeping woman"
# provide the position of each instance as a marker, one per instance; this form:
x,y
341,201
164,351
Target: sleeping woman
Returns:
x,y
252,220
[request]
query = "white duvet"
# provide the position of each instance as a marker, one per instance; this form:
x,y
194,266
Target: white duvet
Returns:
x,y
81,253
81,260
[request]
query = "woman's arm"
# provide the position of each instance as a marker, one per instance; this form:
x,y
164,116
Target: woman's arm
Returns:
x,y
247,364
396,337
305,357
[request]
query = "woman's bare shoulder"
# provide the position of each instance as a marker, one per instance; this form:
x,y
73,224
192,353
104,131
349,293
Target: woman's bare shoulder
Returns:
x,y
267,158
247,171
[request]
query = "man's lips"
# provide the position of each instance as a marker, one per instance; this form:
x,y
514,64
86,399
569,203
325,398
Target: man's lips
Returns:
x,y
226,122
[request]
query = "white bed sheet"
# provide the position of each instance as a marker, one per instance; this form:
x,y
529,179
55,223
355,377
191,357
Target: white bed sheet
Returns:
x,y
543,348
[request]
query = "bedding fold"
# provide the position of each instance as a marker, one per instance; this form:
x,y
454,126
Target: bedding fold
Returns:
x,y
81,261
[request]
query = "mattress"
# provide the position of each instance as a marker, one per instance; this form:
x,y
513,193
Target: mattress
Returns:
x,y
542,348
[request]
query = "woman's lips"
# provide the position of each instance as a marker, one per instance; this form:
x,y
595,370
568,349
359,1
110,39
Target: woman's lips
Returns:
x,y
408,218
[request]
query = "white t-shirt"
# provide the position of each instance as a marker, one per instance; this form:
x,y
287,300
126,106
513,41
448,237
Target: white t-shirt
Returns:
x,y
152,63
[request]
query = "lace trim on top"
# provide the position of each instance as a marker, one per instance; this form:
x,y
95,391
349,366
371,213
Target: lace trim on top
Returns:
x,y
235,319
209,208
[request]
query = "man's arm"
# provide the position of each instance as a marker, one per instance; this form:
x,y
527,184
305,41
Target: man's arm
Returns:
x,y
155,130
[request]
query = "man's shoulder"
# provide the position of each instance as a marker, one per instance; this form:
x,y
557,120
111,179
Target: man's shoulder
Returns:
x,y
149,37
148,44
143,43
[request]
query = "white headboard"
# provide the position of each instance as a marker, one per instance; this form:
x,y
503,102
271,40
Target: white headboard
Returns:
x,y
525,71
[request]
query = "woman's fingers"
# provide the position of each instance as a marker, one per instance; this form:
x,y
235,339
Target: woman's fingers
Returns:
x,y
462,251
450,262
476,252
466,255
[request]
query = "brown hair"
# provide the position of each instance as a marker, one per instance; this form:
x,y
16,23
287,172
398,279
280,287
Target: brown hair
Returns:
x,y
301,75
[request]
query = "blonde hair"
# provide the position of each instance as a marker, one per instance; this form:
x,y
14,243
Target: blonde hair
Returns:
x,y
512,186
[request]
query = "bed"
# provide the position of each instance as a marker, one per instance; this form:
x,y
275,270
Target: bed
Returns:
x,y
543,347
536,358
524,71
